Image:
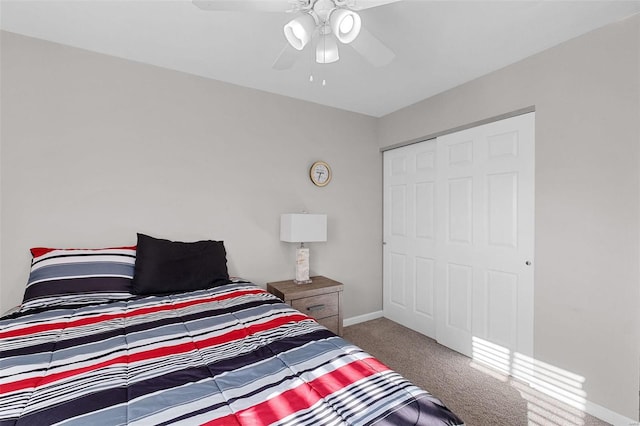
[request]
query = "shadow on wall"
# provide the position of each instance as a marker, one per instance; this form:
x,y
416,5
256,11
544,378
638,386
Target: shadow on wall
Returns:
x,y
554,396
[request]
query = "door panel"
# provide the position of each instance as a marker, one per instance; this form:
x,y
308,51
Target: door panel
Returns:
x,y
398,279
409,233
460,212
425,286
460,153
502,204
501,302
459,285
398,210
425,204
503,145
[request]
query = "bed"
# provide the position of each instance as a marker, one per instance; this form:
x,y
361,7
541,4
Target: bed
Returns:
x,y
227,354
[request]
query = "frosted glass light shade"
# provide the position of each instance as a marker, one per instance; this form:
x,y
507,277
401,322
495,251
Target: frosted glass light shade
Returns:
x,y
299,30
303,227
346,25
327,50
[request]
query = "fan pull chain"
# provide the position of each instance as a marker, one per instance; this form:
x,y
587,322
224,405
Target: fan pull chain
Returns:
x,y
311,79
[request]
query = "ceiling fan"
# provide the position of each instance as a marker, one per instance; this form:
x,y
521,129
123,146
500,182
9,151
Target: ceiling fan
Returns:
x,y
324,22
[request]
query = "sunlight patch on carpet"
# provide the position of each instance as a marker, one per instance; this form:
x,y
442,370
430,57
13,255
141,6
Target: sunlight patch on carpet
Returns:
x,y
554,396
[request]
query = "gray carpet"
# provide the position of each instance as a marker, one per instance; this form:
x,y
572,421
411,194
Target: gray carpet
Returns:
x,y
476,394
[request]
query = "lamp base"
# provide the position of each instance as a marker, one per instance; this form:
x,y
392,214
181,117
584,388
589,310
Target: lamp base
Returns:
x,y
302,266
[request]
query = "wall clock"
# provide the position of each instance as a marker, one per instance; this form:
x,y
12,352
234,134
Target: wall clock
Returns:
x,y
320,173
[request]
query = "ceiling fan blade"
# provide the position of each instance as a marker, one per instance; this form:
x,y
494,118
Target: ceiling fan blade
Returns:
x,y
372,49
367,4
287,57
244,5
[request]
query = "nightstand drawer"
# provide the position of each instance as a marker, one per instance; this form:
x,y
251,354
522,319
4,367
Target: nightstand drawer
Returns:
x,y
321,306
331,323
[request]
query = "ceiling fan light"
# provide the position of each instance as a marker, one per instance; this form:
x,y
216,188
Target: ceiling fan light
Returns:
x,y
299,30
345,24
327,50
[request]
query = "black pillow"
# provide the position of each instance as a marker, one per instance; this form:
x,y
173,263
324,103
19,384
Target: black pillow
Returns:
x,y
164,266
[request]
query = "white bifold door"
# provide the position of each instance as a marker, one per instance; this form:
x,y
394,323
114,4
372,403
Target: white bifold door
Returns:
x,y
458,235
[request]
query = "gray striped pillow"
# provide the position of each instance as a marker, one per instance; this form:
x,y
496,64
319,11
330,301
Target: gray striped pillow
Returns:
x,y
62,277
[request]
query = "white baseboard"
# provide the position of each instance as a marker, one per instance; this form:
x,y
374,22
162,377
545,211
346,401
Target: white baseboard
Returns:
x,y
361,318
607,415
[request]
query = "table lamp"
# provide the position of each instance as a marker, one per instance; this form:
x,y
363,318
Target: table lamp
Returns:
x,y
303,228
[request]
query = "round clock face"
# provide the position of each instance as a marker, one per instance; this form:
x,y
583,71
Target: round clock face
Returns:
x,y
320,173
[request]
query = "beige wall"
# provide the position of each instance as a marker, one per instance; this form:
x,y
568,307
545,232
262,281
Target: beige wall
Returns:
x,y
95,149
587,290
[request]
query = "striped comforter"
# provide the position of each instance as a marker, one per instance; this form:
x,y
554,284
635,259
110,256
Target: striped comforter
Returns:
x,y
232,355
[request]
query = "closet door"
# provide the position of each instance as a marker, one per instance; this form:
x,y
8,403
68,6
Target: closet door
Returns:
x,y
409,235
458,232
485,257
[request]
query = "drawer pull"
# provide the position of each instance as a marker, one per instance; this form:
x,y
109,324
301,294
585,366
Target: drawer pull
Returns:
x,y
315,308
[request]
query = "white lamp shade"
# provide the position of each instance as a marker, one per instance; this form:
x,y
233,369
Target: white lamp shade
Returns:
x,y
327,50
345,24
299,30
303,227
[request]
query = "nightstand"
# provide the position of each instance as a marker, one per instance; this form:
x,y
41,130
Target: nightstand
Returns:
x,y
322,299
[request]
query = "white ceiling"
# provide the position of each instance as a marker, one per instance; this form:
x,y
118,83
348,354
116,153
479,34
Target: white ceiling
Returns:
x,y
438,44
